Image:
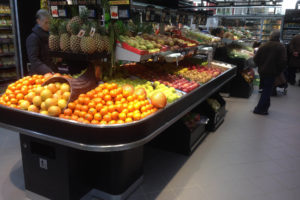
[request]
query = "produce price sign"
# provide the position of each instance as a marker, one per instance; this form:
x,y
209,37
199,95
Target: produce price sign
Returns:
x,y
119,9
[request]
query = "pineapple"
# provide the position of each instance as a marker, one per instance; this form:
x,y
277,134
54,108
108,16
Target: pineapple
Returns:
x,y
54,37
64,41
99,39
87,43
81,19
105,40
74,39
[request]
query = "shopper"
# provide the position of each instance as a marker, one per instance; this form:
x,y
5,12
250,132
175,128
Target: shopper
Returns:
x,y
271,61
294,59
37,45
219,32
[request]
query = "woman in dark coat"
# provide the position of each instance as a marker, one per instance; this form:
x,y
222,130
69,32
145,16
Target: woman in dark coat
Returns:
x,y
271,61
294,59
37,45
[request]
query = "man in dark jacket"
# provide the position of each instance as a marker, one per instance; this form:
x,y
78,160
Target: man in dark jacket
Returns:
x,y
37,45
271,61
294,59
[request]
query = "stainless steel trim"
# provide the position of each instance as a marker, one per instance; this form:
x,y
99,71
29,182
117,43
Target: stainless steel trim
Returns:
x,y
118,147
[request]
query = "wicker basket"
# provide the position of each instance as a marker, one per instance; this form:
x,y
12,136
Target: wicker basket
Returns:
x,y
81,85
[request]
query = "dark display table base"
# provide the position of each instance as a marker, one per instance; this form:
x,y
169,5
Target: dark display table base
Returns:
x,y
58,172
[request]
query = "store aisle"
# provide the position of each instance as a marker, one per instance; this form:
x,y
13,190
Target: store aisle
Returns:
x,y
248,157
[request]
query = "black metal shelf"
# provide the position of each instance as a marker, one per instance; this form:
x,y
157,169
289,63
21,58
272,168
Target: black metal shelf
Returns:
x,y
6,41
5,14
6,54
7,67
78,56
5,27
5,80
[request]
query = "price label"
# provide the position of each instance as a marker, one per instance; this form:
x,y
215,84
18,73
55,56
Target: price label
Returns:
x,y
92,32
81,33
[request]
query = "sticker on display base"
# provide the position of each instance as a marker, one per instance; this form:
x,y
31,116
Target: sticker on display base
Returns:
x,y
81,33
114,12
54,11
62,13
92,32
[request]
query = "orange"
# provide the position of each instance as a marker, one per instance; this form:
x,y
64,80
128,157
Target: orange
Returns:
x,y
137,106
90,94
74,117
97,100
71,106
92,104
80,119
86,121
125,111
104,111
86,100
128,119
103,122
77,112
84,108
97,116
14,101
119,97
78,107
114,85
130,108
68,112
126,93
109,103
92,111
81,100
99,107
120,121
82,114
130,98
122,116
111,108
113,93
114,115
130,115
94,121
143,109
88,117
136,116
119,107
100,95
107,117
19,96
119,91
141,97
107,97
112,122
105,92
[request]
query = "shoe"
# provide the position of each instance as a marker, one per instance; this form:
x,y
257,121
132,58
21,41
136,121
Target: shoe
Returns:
x,y
260,90
299,83
260,113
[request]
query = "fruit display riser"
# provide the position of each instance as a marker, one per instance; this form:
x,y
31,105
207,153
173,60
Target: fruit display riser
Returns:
x,y
138,132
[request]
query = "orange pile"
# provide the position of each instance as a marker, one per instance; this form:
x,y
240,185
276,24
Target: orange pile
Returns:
x,y
108,104
18,91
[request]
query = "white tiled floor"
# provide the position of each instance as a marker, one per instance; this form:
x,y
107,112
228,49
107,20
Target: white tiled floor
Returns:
x,y
249,157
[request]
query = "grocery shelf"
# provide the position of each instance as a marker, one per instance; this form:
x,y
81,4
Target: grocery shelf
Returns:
x,y
6,41
6,54
5,14
5,27
78,56
110,138
5,80
7,67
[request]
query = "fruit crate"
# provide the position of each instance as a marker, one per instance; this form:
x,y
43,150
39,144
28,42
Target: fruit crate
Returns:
x,y
185,135
216,118
239,87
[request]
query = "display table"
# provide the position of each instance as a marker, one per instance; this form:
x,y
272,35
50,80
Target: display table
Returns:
x,y
68,160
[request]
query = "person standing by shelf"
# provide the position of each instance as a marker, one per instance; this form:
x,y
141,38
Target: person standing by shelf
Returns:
x,y
293,59
271,61
37,45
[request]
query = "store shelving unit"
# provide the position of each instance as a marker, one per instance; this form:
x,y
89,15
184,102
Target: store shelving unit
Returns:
x,y
260,26
8,70
291,25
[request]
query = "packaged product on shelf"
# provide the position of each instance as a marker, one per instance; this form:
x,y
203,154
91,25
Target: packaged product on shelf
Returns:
x,y
5,48
11,48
